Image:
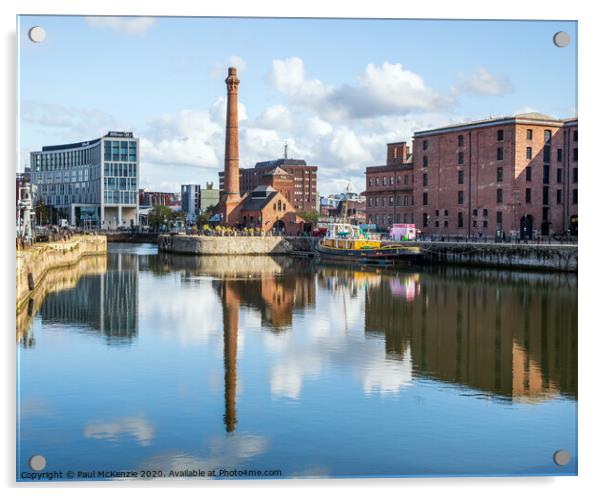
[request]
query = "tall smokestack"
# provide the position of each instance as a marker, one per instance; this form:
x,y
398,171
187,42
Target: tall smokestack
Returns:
x,y
231,192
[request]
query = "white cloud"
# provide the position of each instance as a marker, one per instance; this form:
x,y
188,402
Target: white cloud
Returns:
x,y
379,90
137,26
137,427
275,117
220,69
482,82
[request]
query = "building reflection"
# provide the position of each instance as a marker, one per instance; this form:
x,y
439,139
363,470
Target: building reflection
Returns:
x,y
501,333
56,281
106,303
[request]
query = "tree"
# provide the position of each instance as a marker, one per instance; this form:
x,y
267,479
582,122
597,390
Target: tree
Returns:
x,y
310,216
159,216
42,212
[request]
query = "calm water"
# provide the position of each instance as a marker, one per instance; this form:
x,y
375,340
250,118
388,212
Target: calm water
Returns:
x,y
141,360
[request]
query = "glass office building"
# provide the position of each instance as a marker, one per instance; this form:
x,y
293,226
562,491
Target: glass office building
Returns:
x,y
92,183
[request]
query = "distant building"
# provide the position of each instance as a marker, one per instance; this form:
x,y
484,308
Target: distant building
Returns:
x,y
348,207
153,198
22,178
196,199
390,189
296,180
512,176
92,181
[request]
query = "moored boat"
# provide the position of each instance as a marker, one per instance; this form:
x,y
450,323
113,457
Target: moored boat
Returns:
x,y
346,242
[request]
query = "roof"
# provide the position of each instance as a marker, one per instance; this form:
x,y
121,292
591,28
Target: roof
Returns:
x,y
276,171
527,118
258,198
279,162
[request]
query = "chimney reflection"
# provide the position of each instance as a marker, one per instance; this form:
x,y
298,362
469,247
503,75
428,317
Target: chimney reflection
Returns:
x,y
230,305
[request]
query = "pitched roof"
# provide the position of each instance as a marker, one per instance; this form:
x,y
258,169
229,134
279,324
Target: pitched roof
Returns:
x,y
258,198
276,171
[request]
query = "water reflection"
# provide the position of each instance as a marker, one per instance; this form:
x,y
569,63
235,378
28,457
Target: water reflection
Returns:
x,y
299,334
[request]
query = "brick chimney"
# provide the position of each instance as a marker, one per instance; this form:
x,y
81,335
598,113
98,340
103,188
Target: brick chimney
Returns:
x,y
397,153
231,192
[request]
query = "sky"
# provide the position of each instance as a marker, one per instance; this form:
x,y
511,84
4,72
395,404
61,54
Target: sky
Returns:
x,y
336,90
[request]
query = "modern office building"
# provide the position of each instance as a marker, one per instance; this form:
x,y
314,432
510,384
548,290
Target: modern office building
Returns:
x,y
390,189
92,183
196,199
510,176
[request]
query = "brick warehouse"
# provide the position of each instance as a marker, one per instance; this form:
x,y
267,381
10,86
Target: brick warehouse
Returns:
x,y
389,189
510,176
304,179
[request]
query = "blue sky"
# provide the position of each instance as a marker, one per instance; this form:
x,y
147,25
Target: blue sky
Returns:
x,y
336,90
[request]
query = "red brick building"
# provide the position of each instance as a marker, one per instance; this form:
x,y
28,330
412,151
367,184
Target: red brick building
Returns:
x,y
512,176
389,189
303,178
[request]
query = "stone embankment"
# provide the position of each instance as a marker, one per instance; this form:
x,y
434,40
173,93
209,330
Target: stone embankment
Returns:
x,y
235,245
547,257
35,261
503,255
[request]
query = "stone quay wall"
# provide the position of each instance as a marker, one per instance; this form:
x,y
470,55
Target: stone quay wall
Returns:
x,y
507,256
235,245
35,261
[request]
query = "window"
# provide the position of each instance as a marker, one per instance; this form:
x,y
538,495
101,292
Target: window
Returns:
x,y
500,134
498,218
391,180
460,197
485,213
574,197
370,181
485,223
575,135
559,155
461,140
425,180
437,213
445,213
529,134
436,223
546,195
574,174
528,195
377,181
546,174
547,136
385,181
370,202
405,179
545,214
425,144
398,201
500,153
425,198
425,220
425,161
460,177
460,219
559,175
528,174
391,201
500,174
558,196
500,195
529,153
445,224
460,158
575,152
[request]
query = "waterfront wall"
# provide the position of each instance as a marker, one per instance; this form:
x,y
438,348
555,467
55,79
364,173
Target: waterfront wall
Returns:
x,y
131,237
508,256
35,261
235,245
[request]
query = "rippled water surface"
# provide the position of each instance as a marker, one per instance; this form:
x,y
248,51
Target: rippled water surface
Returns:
x,y
146,361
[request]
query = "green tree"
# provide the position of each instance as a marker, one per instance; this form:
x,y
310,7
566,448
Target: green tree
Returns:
x,y
203,217
310,216
159,216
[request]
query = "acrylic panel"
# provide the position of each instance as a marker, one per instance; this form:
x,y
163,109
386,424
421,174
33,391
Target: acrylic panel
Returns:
x,y
289,248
